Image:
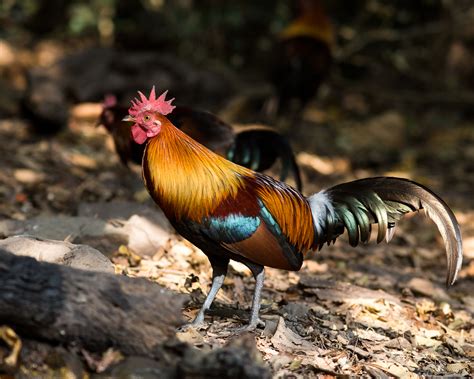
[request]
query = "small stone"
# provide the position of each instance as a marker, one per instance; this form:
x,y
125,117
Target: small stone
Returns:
x,y
27,176
76,256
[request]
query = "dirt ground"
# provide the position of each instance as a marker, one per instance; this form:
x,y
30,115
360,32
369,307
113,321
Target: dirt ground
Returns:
x,y
377,310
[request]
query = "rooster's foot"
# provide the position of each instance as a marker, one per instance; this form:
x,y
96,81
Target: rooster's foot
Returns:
x,y
251,327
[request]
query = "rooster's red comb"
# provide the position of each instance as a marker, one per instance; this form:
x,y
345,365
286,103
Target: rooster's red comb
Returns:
x,y
152,104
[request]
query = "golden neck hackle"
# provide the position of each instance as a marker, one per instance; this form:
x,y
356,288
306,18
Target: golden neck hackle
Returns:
x,y
186,179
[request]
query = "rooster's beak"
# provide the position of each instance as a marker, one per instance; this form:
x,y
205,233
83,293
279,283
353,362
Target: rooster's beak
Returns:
x,y
128,118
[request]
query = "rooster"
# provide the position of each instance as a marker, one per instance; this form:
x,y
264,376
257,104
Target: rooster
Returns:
x,y
232,212
302,56
255,147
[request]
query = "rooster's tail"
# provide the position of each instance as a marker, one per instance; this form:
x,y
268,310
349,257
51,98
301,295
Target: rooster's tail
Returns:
x,y
356,205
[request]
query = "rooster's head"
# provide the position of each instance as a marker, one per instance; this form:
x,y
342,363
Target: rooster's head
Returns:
x,y
147,113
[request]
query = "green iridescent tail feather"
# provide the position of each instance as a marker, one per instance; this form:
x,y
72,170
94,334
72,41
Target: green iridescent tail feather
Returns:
x,y
355,206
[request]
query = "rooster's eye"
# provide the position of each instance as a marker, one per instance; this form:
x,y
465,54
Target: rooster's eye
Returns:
x,y
146,118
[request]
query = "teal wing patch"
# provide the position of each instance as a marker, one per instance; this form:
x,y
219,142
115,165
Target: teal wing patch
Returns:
x,y
231,228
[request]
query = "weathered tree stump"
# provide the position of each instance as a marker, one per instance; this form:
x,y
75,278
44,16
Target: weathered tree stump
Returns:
x,y
89,309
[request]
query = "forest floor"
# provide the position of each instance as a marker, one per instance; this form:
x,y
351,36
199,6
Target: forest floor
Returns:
x,y
378,310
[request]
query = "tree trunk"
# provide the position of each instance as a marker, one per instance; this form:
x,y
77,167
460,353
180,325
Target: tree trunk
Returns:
x,y
90,309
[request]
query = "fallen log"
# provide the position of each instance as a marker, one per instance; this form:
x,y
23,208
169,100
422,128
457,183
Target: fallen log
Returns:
x,y
87,309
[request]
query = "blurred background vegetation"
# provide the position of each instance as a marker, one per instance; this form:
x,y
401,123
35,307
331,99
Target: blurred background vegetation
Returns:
x,y
425,44
402,72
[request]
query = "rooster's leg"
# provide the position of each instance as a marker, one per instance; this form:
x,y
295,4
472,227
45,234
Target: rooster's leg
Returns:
x,y
259,275
219,271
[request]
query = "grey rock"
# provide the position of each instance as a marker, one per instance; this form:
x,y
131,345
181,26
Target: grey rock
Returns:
x,y
105,226
11,227
124,210
146,227
62,227
144,236
76,256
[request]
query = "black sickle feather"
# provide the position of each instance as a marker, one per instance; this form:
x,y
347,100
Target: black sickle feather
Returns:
x,y
384,200
259,148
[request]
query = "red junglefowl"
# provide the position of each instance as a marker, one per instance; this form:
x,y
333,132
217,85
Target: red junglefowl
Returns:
x,y
231,212
302,56
255,147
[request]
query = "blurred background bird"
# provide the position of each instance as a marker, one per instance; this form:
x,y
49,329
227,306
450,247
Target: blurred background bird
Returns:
x,y
302,57
232,212
255,147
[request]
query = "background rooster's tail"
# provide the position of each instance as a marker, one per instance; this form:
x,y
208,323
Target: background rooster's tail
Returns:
x,y
356,205
259,147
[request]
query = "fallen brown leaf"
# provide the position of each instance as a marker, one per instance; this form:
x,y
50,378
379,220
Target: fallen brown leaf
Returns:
x,y
12,340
